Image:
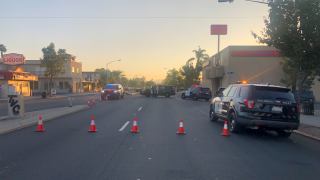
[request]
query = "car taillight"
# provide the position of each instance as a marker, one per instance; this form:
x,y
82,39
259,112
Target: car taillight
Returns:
x,y
172,89
249,103
211,92
109,90
298,108
200,92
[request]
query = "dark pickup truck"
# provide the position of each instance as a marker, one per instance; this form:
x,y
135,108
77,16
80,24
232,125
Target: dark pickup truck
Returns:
x,y
162,90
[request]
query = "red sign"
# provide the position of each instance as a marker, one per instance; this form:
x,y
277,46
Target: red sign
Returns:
x,y
206,64
13,59
255,53
218,29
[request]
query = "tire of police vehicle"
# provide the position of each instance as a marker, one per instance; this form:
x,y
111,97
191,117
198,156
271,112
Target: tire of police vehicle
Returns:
x,y
122,96
212,116
282,133
234,127
195,97
183,96
167,95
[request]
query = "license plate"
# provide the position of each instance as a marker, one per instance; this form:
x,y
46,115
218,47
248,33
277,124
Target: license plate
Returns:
x,y
276,109
108,94
207,93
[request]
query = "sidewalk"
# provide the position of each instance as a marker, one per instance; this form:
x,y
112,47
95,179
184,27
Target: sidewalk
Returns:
x,y
310,125
31,118
56,96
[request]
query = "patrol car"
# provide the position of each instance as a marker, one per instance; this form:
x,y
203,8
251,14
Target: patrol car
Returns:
x,y
258,106
196,92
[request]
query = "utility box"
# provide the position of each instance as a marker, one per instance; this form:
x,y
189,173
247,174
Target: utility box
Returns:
x,y
15,106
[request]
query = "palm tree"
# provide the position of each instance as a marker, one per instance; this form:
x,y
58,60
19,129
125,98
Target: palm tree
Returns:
x,y
118,75
3,49
200,57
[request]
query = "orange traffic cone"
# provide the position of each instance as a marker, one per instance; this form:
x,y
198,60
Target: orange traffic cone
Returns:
x,y
100,99
40,125
225,129
93,102
93,126
106,98
135,126
89,103
181,130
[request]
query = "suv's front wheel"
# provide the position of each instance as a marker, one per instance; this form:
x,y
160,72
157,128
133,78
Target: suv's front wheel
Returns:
x,y
183,96
234,127
212,115
283,133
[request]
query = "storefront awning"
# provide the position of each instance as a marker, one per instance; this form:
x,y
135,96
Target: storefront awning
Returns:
x,y
17,75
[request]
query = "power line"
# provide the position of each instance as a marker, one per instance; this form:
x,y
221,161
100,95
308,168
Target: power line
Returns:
x,y
248,17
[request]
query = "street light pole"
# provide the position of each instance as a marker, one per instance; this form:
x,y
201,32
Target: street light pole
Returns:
x,y
107,68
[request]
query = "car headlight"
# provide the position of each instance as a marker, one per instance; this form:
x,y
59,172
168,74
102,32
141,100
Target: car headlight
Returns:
x,y
102,91
115,91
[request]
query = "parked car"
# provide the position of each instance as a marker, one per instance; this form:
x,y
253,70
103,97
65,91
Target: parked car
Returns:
x,y
257,106
112,91
197,93
219,91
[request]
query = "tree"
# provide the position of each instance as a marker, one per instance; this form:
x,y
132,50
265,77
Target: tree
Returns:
x,y
3,49
117,75
54,62
293,28
173,77
190,74
200,57
150,83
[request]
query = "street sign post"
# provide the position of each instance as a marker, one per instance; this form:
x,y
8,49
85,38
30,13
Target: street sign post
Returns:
x,y
230,76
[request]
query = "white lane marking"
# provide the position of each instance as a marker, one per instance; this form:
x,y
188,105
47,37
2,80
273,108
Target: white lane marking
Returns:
x,y
139,108
124,126
200,110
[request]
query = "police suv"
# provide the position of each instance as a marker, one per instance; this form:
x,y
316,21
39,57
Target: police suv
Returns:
x,y
196,92
259,106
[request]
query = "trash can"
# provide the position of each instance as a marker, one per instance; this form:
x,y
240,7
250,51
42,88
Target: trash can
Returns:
x,y
308,107
44,94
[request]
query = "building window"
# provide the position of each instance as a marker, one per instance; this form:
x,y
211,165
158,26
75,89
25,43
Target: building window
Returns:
x,y
27,69
78,70
35,85
31,85
60,85
66,85
73,69
46,86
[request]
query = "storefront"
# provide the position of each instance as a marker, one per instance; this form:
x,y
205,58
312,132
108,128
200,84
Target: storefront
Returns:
x,y
15,82
258,64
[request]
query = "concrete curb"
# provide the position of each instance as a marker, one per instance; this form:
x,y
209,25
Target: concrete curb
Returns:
x,y
34,120
307,135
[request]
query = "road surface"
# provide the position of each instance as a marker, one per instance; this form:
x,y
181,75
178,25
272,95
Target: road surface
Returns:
x,y
66,150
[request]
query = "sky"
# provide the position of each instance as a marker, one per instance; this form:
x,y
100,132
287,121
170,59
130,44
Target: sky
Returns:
x,y
147,36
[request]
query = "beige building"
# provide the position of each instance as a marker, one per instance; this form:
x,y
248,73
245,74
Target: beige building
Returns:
x,y
64,83
90,81
259,64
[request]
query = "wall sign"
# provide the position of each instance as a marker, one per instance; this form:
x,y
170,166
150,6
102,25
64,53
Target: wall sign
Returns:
x,y
255,53
14,59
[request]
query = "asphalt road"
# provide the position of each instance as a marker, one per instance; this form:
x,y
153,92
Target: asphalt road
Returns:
x,y
40,104
68,151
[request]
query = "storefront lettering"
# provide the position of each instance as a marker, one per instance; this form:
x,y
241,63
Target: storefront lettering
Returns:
x,y
14,106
